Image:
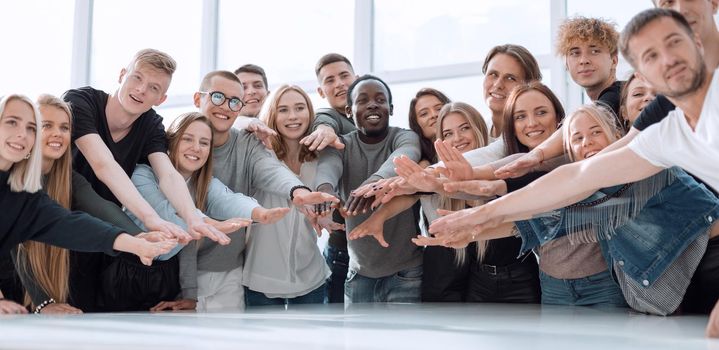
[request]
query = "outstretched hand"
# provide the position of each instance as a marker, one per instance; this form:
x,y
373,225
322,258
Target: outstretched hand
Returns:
x,y
374,227
422,179
456,167
262,132
175,305
478,187
520,166
322,137
230,225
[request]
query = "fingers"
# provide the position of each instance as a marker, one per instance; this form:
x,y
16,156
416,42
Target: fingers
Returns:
x,y
317,142
476,187
307,140
424,241
11,307
442,150
337,144
163,305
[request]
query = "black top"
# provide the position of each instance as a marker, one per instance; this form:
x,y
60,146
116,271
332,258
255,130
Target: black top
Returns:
x,y
146,136
28,216
610,97
654,112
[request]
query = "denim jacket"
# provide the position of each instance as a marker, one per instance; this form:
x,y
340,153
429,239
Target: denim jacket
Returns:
x,y
649,242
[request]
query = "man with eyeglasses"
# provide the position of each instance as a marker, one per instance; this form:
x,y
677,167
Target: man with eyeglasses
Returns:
x,y
242,163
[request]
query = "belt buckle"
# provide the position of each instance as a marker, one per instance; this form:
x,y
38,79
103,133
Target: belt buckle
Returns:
x,y
491,269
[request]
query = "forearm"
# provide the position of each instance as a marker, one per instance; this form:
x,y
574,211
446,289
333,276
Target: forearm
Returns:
x,y
551,147
395,206
173,186
115,179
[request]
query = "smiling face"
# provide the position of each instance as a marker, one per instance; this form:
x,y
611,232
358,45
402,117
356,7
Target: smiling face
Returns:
x,y
17,132
427,109
534,118
141,88
668,58
587,136
293,116
335,78
255,93
55,132
371,108
503,74
639,95
457,130
193,148
221,117
591,65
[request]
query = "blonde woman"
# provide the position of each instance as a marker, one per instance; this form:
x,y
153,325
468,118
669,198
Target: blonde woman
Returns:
x,y
29,214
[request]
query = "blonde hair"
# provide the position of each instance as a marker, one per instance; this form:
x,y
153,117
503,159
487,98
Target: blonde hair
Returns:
x,y
26,175
269,116
480,130
600,114
50,265
155,59
583,29
202,177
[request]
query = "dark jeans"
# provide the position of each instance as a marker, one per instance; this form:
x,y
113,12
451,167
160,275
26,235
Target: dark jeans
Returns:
x,y
444,280
515,283
338,261
317,296
703,291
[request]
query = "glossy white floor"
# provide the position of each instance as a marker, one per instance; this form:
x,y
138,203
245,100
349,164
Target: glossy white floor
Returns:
x,y
378,326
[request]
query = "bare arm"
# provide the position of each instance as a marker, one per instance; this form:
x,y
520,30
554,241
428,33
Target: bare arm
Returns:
x,y
113,176
633,132
565,185
173,186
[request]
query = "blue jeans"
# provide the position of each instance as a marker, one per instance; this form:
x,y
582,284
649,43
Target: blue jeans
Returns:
x,y
338,260
317,296
595,290
402,287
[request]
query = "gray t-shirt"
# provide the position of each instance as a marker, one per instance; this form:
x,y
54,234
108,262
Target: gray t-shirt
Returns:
x,y
361,163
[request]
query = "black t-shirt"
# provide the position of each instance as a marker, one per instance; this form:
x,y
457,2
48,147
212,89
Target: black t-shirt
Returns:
x,y
654,112
146,136
610,97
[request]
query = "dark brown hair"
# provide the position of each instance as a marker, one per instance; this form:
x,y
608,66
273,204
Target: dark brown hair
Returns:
x,y
255,69
426,145
511,143
331,58
522,55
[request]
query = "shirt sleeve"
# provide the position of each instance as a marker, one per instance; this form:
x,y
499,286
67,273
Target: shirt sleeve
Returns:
x,y
405,143
85,199
268,173
325,119
330,167
649,145
654,112
156,141
224,204
188,270
50,223
84,112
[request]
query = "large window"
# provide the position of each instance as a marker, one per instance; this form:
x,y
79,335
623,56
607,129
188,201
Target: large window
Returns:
x,y
37,47
119,30
285,37
425,33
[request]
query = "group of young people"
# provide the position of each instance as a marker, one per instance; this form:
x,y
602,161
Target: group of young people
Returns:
x,y
612,204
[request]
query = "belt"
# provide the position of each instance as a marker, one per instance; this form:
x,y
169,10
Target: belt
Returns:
x,y
496,270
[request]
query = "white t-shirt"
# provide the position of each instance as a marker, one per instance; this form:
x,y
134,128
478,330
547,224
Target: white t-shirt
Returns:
x,y
672,142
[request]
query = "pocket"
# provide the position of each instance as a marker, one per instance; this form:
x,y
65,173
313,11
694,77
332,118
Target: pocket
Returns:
x,y
411,274
350,276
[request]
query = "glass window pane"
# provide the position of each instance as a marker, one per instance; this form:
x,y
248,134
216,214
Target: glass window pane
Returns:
x,y
120,30
286,42
419,33
38,46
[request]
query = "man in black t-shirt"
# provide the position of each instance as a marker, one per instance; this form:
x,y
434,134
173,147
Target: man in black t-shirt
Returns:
x,y
113,133
589,49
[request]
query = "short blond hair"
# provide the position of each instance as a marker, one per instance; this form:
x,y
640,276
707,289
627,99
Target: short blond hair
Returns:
x,y
155,59
582,29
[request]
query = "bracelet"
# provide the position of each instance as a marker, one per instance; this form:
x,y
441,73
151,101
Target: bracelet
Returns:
x,y
292,191
43,305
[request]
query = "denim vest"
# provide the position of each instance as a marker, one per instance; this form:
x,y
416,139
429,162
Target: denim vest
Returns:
x,y
649,242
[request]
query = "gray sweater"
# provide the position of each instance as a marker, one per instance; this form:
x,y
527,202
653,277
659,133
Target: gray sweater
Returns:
x,y
361,163
244,165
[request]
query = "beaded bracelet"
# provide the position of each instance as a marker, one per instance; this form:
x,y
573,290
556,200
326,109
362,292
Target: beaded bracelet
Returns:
x,y
292,191
43,305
